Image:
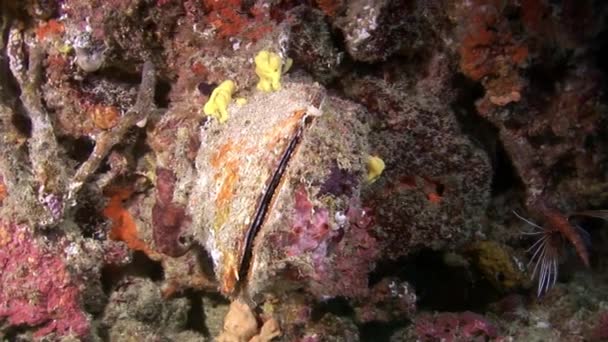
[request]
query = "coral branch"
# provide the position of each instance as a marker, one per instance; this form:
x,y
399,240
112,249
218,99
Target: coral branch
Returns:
x,y
49,170
43,145
108,139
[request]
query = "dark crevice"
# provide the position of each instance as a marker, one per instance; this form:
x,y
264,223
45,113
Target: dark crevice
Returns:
x,y
161,94
246,6
116,75
104,334
140,146
205,261
196,315
338,306
21,122
378,331
550,70
505,176
103,167
513,14
148,267
89,217
563,167
547,138
205,88
439,189
542,78
141,266
210,300
439,286
78,149
17,333
483,133
600,48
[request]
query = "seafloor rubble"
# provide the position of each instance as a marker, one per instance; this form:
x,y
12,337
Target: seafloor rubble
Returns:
x,y
231,170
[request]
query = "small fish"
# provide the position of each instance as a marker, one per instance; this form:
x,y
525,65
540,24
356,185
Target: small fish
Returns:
x,y
547,248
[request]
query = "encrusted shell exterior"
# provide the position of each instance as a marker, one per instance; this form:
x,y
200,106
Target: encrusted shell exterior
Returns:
x,y
236,165
337,140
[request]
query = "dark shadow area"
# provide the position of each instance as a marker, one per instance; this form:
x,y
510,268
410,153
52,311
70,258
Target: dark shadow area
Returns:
x,y
505,176
22,123
16,334
543,77
483,133
378,331
196,315
141,266
338,306
139,147
161,93
117,75
439,286
78,149
205,261
89,216
600,51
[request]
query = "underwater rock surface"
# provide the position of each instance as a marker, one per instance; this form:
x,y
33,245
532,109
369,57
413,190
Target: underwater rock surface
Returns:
x,y
277,170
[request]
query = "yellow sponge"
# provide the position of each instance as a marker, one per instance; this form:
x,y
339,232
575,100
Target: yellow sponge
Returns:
x,y
268,67
219,100
375,166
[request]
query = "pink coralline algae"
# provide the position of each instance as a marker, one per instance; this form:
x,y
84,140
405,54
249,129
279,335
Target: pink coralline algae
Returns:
x,y
336,253
354,254
37,289
311,228
465,326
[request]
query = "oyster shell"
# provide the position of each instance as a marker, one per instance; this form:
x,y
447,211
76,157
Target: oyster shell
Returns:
x,y
240,165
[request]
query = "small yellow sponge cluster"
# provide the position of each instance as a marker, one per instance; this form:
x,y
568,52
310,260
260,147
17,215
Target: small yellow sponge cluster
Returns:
x,y
217,105
375,167
268,67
